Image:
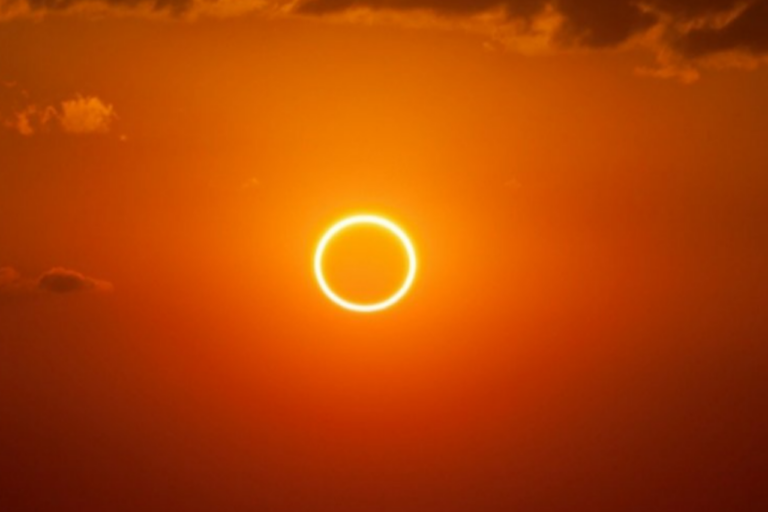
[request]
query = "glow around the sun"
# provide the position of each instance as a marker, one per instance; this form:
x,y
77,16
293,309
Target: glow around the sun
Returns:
x,y
372,220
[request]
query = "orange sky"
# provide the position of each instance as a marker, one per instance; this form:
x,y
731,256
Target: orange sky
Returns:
x,y
588,199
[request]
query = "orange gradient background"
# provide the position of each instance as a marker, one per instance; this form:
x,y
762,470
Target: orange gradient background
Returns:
x,y
587,329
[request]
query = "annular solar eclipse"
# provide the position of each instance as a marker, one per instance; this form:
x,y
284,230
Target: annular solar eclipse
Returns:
x,y
365,220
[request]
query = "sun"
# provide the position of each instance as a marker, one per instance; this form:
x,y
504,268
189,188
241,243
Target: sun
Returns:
x,y
365,220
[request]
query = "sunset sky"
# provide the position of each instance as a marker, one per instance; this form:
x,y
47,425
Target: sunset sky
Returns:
x,y
586,185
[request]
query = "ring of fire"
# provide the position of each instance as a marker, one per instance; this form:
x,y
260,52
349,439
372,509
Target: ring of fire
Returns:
x,y
380,222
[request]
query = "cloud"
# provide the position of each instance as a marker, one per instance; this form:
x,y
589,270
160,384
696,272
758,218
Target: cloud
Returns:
x,y
746,31
596,23
10,9
80,115
10,281
56,280
684,35
61,280
32,119
86,115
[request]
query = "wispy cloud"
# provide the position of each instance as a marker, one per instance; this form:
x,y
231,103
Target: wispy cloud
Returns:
x,y
86,114
80,115
11,282
56,280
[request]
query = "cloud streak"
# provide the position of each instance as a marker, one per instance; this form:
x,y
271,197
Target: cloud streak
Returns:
x,y
81,115
54,281
685,35
62,280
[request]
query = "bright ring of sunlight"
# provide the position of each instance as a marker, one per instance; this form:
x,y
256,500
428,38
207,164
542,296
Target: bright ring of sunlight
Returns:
x,y
373,220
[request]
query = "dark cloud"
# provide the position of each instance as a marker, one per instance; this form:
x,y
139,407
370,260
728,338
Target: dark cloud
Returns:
x,y
604,23
682,33
448,7
601,23
694,8
175,6
590,22
56,280
61,280
747,33
15,7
